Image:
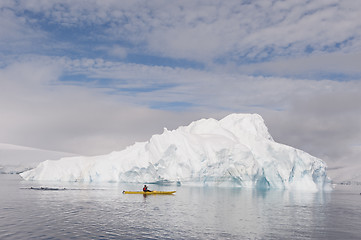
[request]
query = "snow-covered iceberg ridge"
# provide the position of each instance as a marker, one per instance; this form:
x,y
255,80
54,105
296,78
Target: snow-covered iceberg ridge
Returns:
x,y
234,151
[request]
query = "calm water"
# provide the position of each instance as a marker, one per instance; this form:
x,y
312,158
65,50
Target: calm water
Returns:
x,y
93,211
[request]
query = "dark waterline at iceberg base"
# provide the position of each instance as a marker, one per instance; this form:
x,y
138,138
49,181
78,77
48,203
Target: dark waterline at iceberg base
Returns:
x,y
94,211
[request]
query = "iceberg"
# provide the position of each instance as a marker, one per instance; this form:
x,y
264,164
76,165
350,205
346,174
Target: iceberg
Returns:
x,y
235,151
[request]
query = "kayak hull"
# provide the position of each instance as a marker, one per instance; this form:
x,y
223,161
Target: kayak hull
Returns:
x,y
150,193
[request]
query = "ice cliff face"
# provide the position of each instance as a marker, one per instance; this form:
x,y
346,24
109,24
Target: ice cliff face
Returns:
x,y
235,151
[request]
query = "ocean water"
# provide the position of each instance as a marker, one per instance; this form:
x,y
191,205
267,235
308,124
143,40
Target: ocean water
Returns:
x,y
101,211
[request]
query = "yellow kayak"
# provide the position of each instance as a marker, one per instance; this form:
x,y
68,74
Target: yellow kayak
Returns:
x,y
149,193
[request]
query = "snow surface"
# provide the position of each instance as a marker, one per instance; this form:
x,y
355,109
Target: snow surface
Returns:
x,y
16,159
234,151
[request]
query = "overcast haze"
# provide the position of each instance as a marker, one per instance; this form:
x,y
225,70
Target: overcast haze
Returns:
x,y
90,77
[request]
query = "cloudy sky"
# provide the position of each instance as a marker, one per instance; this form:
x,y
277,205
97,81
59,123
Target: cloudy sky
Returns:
x,y
89,77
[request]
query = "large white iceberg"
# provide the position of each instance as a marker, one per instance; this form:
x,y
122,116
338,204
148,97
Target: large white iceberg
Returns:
x,y
235,151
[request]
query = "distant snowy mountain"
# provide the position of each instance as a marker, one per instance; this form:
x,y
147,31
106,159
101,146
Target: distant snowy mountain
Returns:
x,y
16,159
345,173
235,151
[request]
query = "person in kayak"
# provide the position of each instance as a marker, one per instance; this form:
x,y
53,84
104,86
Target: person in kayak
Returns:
x,y
145,189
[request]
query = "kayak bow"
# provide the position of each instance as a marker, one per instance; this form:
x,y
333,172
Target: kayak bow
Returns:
x,y
149,193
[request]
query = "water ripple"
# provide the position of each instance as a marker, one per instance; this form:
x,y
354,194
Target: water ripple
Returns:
x,y
103,212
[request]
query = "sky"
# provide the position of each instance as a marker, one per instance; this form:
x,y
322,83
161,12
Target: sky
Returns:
x,y
91,77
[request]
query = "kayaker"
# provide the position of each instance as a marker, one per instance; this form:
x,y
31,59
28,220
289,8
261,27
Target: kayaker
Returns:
x,y
145,189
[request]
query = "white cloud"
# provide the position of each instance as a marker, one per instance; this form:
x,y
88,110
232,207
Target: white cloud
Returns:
x,y
118,51
207,31
251,31
326,124
330,63
15,33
